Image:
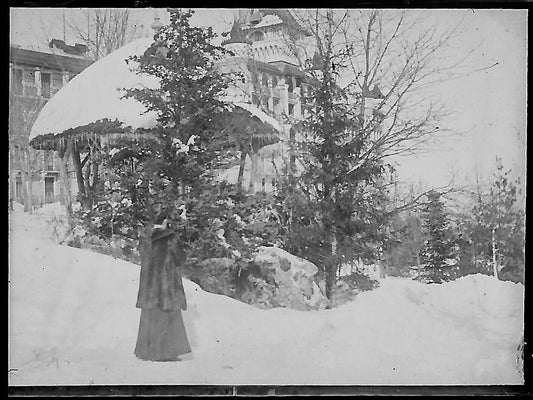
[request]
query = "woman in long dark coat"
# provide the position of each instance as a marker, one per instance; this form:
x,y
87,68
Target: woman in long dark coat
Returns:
x,y
162,335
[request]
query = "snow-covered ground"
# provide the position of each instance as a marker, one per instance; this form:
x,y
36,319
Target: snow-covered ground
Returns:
x,y
72,320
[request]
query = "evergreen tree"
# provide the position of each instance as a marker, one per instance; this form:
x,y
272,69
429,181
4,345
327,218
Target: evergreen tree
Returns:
x,y
352,128
188,103
175,162
498,227
404,243
439,249
348,190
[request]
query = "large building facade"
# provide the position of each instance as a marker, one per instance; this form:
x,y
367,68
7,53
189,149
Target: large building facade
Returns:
x,y
35,76
273,81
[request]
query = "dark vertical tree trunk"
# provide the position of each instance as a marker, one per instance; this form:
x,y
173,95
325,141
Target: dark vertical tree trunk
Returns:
x,y
79,175
241,168
254,156
27,179
64,182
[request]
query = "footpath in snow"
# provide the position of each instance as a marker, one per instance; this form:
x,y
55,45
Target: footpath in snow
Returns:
x,y
72,320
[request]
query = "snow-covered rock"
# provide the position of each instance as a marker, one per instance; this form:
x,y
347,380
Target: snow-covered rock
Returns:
x,y
294,277
274,256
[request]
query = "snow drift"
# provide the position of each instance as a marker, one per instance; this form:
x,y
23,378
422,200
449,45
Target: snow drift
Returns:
x,y
72,320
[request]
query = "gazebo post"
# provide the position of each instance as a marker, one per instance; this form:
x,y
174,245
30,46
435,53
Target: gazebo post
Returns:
x,y
242,164
64,150
78,166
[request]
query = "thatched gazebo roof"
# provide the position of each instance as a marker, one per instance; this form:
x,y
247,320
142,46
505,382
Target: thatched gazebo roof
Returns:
x,y
91,106
92,102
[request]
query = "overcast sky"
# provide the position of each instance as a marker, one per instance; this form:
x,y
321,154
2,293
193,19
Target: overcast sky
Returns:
x,y
489,105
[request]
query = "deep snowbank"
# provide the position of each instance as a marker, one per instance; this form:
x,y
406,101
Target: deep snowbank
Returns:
x,y
73,321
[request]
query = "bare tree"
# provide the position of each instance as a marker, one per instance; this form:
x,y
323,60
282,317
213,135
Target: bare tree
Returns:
x,y
369,74
384,61
103,30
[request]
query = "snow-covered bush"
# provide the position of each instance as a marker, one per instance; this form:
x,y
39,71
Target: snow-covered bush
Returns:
x,y
215,275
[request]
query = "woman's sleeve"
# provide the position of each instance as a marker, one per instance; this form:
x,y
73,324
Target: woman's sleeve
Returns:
x,y
178,254
145,245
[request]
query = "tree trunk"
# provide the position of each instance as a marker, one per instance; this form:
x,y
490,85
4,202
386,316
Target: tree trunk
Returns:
x,y
254,156
241,169
79,175
494,258
331,263
28,204
26,177
418,266
64,182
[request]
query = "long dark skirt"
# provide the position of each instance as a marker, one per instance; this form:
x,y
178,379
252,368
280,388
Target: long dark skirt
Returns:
x,y
162,336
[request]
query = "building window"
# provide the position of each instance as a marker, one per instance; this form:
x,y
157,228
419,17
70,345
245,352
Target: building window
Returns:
x,y
18,187
49,160
16,76
289,82
256,36
264,102
30,89
57,79
45,84
256,100
49,189
303,94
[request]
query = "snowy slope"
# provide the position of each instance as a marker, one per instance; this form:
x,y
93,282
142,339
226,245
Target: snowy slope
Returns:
x,y
73,321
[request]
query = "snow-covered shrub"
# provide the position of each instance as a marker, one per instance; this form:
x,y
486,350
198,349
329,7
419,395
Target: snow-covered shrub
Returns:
x,y
215,275
260,293
348,286
360,281
55,217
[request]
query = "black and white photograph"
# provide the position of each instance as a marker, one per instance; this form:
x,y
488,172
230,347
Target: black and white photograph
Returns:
x,y
239,196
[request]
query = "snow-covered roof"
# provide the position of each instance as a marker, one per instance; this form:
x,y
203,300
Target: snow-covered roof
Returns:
x,y
96,94
46,50
264,117
268,20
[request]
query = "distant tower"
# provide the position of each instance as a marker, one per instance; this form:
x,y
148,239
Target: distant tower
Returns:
x,y
266,29
157,24
237,42
142,25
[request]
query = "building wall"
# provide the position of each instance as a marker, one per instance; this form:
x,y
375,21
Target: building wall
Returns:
x,y
31,86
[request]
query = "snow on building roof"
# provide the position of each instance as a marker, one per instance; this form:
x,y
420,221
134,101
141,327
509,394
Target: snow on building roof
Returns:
x,y
269,20
58,60
96,94
264,117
